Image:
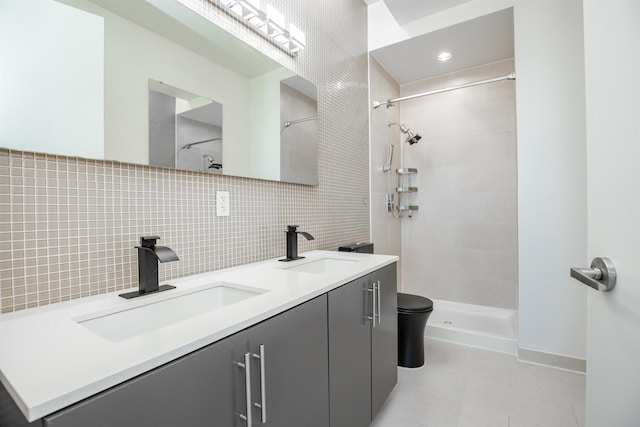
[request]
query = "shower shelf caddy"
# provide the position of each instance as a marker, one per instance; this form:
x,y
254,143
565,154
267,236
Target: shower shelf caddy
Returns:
x,y
404,188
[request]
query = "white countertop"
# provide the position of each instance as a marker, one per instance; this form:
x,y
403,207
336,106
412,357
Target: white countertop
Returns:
x,y
49,361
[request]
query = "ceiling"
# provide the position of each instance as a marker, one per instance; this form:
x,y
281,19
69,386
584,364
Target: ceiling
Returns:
x,y
407,10
473,43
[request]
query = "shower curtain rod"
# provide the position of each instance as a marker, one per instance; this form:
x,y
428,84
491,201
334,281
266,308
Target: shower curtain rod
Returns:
x,y
187,146
293,122
390,102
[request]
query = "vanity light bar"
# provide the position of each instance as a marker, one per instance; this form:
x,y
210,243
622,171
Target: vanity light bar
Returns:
x,y
270,23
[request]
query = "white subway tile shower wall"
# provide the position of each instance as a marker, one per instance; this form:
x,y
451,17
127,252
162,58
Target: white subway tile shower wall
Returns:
x,y
68,225
462,244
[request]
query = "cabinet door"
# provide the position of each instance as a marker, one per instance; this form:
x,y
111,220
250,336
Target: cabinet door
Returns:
x,y
350,354
296,369
384,338
203,388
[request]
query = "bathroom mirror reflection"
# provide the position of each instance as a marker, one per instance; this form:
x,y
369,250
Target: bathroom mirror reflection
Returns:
x,y
299,132
75,82
185,130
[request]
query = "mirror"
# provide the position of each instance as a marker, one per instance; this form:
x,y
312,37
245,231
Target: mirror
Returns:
x,y
185,130
85,88
299,131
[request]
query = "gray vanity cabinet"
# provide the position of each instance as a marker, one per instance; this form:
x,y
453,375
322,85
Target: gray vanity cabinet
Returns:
x,y
193,390
329,362
207,387
296,369
384,338
349,354
362,356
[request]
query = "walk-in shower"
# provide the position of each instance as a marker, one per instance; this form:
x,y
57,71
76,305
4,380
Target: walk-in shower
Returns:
x,y
405,189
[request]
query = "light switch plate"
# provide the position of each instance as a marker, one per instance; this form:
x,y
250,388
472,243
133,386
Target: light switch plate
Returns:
x,y
222,203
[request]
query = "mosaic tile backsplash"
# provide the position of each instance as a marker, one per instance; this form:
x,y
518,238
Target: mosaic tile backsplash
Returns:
x,y
68,226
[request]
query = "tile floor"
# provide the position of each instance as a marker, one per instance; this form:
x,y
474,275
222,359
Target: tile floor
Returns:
x,y
462,386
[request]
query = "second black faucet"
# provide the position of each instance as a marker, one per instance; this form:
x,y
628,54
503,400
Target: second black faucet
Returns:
x,y
292,242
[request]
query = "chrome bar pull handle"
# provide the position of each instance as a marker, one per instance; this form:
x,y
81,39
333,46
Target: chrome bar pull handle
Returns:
x,y
247,384
601,276
374,304
379,303
373,312
263,385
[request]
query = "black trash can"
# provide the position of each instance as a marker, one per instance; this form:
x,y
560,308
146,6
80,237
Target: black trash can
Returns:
x,y
413,312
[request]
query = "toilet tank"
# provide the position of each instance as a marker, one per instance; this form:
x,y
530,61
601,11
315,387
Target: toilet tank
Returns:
x,y
366,248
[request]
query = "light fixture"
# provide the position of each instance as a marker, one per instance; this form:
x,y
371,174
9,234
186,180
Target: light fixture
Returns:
x,y
444,56
236,8
250,8
271,24
297,41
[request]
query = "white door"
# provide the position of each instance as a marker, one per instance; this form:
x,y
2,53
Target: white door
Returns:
x,y
612,64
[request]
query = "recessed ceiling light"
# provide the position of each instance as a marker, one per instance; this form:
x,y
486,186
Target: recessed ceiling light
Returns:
x,y
444,56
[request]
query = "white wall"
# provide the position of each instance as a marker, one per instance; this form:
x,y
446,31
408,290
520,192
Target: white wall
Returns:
x,y
612,90
551,175
551,159
56,76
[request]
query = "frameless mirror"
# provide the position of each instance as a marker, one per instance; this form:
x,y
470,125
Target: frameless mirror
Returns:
x,y
80,78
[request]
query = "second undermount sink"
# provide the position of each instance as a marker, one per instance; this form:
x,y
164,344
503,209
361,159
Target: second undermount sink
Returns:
x,y
143,317
321,266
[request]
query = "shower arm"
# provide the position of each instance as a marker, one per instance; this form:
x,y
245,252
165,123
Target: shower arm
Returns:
x,y
390,102
293,122
187,146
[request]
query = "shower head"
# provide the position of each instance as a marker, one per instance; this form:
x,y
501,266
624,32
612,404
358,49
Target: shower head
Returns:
x,y
212,162
412,138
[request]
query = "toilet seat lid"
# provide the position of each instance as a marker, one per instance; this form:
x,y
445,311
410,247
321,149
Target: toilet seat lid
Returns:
x,y
408,303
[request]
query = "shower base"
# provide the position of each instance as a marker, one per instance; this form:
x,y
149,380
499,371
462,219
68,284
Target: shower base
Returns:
x,y
479,326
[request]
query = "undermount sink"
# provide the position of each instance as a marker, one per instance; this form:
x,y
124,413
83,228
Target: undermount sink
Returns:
x,y
320,266
120,324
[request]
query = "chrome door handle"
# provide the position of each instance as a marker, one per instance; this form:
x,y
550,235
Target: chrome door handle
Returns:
x,y
263,386
247,384
601,275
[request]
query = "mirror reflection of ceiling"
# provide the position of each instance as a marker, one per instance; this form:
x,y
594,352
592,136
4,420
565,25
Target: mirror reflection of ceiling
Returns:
x,y
473,43
207,112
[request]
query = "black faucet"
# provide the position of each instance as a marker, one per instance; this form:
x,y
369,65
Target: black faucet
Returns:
x,y
148,256
292,242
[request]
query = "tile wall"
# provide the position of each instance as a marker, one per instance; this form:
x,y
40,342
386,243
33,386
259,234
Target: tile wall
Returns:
x,y
68,225
462,244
